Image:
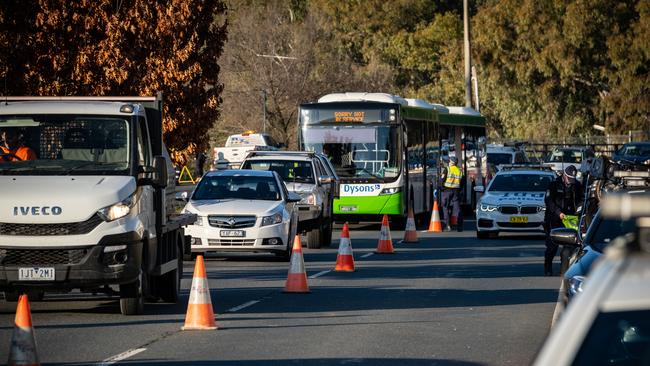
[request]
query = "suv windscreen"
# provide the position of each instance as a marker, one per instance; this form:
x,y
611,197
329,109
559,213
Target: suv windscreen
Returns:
x,y
520,183
222,187
566,156
289,170
606,230
499,158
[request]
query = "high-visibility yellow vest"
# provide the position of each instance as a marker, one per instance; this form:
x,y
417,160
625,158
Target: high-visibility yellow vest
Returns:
x,y
453,177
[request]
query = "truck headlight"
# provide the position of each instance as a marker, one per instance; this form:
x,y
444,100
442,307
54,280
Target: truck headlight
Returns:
x,y
308,199
272,220
487,208
392,190
118,210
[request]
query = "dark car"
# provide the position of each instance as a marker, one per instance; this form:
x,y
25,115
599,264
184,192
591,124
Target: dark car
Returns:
x,y
600,234
634,152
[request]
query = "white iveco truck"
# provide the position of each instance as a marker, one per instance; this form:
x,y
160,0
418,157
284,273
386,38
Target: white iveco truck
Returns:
x,y
84,200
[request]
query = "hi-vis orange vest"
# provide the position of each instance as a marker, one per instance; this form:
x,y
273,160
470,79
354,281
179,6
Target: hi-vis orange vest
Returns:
x,y
453,177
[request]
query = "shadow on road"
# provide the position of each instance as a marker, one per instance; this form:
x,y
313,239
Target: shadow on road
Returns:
x,y
306,362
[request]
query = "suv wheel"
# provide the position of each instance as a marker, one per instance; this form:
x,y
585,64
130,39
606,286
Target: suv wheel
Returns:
x,y
314,239
326,232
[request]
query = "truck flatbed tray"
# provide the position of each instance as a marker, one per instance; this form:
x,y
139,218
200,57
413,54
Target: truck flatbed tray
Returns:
x,y
177,221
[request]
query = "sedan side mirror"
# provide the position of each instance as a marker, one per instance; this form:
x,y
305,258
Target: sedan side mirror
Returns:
x,y
182,196
565,236
294,197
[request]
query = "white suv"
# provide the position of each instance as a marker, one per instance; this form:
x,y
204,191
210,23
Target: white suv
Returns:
x,y
311,176
500,155
513,201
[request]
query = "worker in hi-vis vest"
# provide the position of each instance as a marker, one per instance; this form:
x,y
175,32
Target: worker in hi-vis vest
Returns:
x,y
451,194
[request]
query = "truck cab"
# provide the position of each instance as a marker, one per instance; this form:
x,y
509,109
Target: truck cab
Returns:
x,y
86,207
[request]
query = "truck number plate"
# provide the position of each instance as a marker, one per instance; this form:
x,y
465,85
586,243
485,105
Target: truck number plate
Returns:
x,y
519,219
233,233
36,274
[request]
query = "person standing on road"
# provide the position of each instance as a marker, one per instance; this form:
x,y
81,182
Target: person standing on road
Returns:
x,y
563,197
200,162
451,193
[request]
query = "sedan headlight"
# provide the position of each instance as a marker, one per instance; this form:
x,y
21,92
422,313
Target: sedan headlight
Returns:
x,y
308,199
484,207
118,210
575,284
272,220
541,208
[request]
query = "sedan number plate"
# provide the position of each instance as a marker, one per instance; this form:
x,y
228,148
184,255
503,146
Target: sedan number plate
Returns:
x,y
519,219
233,233
36,274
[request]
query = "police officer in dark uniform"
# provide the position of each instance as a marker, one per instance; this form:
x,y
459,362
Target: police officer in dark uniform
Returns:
x,y
563,197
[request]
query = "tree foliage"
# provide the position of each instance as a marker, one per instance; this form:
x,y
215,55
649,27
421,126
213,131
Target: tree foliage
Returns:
x,y
553,68
132,47
287,52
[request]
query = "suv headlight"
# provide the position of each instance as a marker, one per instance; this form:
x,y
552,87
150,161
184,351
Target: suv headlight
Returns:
x,y
308,199
118,210
392,190
276,218
484,207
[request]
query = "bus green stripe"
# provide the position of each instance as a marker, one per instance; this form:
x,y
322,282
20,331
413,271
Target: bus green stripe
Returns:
x,y
390,204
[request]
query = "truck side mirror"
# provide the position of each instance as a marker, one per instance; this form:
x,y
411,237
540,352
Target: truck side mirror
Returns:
x,y
160,171
155,175
565,236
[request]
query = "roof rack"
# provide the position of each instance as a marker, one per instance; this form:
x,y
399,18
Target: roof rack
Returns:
x,y
280,152
527,166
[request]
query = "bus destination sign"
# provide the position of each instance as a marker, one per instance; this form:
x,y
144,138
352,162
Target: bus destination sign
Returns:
x,y
356,116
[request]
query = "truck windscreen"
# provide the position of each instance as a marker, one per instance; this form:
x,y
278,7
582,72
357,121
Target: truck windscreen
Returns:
x,y
60,144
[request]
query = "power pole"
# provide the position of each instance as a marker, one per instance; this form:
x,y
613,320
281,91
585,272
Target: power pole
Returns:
x,y
468,56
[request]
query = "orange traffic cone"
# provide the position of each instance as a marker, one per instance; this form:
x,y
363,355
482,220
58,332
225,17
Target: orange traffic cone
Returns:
x,y
435,226
345,258
200,315
410,232
297,277
385,245
23,344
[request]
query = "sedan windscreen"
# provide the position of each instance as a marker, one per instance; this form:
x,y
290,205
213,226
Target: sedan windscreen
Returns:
x,y
237,187
520,183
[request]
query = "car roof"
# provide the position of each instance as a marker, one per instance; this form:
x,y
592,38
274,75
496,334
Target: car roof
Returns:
x,y
240,172
526,171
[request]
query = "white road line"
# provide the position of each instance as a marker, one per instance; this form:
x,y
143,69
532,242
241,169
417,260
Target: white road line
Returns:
x,y
367,255
559,305
121,356
320,273
242,306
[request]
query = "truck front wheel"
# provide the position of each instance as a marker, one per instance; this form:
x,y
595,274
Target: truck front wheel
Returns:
x,y
132,298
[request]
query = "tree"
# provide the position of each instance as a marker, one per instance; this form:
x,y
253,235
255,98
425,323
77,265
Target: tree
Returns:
x,y
553,68
285,51
137,47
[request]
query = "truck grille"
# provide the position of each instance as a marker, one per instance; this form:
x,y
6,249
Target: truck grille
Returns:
x,y
232,222
41,256
74,228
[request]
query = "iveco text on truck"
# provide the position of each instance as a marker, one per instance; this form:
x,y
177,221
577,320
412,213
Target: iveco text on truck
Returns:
x,y
84,195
